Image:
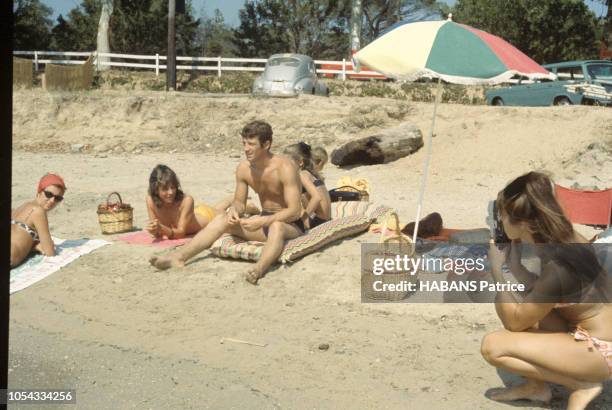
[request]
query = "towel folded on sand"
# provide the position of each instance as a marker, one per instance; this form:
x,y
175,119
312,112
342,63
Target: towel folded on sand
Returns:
x,y
144,238
39,267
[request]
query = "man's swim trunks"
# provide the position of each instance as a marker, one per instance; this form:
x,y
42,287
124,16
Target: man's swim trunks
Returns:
x,y
298,223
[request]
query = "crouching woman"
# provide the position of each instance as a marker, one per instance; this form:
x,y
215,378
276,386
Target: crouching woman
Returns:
x,y
560,329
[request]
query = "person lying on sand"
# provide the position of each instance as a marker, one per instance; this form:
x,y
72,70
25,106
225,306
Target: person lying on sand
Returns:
x,y
316,201
568,343
277,182
172,214
29,224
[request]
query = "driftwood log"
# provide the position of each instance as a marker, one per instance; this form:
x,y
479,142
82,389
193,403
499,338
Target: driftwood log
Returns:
x,y
387,146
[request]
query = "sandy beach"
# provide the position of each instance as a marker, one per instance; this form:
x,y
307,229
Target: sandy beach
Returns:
x,y
127,336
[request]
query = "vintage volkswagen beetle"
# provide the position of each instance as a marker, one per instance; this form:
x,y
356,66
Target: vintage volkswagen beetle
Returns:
x,y
287,75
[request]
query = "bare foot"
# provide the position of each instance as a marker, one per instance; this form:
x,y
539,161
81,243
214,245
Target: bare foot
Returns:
x,y
166,262
253,275
581,397
530,390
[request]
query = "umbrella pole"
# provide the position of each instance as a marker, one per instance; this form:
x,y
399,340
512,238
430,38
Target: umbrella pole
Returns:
x,y
427,158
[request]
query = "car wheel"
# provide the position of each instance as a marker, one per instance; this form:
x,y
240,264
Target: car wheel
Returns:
x,y
563,101
498,102
313,91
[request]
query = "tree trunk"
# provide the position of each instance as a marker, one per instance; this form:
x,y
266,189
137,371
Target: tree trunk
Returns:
x,y
103,41
386,146
171,55
608,26
356,17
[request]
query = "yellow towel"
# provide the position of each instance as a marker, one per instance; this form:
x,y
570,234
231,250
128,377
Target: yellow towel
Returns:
x,y
206,211
361,184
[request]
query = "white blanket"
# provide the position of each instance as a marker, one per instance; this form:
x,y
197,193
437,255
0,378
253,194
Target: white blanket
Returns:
x,y
39,267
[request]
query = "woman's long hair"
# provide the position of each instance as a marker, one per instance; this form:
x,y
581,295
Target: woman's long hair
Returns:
x,y
530,198
162,176
302,151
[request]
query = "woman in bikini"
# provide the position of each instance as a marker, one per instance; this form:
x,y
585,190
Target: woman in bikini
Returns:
x,y
172,213
29,224
316,201
561,331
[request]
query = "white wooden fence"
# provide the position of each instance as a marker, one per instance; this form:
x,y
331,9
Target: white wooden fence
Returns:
x,y
157,62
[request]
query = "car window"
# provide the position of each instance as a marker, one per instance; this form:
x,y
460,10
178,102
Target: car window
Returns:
x,y
284,61
600,71
570,73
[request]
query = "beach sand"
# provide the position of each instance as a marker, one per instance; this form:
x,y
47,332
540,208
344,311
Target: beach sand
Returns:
x,y
125,335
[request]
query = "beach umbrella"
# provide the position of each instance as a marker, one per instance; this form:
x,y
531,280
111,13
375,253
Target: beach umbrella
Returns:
x,y
449,52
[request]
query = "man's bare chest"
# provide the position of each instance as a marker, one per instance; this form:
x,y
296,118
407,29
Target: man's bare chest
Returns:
x,y
267,182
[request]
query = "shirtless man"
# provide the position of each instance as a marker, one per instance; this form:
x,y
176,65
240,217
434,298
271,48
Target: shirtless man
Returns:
x,y
277,182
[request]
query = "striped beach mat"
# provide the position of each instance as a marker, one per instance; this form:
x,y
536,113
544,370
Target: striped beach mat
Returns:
x,y
349,218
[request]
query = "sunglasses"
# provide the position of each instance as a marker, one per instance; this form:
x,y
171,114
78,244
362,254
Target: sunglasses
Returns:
x,y
49,195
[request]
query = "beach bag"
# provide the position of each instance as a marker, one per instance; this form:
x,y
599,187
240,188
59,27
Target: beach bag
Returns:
x,y
390,245
348,193
115,217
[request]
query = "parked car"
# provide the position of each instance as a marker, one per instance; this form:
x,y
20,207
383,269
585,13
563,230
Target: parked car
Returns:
x,y
287,75
578,82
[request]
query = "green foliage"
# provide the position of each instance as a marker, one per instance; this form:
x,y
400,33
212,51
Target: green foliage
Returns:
x,y
546,30
418,91
238,83
214,37
313,27
135,27
32,25
455,93
78,31
379,15
378,89
142,27
260,32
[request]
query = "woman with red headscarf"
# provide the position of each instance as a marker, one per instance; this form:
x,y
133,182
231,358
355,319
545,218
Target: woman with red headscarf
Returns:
x,y
29,224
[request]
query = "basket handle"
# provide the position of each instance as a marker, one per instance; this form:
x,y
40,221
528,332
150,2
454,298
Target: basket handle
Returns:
x,y
397,234
111,194
347,186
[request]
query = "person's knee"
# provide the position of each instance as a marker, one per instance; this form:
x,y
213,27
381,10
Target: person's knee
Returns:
x,y
490,348
275,231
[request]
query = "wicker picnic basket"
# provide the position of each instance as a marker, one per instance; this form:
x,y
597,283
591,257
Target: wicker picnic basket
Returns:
x,y
389,247
360,194
115,217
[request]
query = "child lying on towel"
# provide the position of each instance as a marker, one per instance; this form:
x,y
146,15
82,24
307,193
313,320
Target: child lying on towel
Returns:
x,y
172,213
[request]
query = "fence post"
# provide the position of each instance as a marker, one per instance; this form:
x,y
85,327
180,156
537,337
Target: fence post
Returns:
x,y
219,66
36,61
343,69
157,64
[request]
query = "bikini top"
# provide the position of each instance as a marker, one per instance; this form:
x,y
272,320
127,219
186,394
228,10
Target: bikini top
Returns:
x,y
317,183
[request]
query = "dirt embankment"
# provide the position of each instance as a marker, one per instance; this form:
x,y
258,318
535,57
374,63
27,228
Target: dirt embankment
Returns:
x,y
143,121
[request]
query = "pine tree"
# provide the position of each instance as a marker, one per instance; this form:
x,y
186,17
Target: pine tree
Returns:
x,y
32,25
